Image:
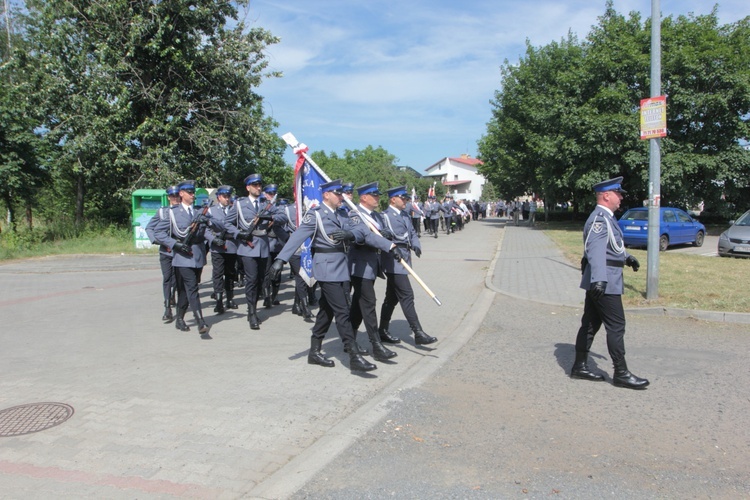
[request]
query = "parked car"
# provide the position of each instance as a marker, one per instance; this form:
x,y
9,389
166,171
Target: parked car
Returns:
x,y
735,241
676,227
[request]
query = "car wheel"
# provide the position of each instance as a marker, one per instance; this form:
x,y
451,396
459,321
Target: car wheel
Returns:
x,y
699,239
663,242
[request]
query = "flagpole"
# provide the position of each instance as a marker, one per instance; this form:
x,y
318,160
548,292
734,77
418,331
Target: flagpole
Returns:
x,y
301,149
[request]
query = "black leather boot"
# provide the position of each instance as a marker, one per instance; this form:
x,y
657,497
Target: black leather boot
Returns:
x,y
180,322
295,306
305,310
167,317
219,309
581,369
386,337
267,297
230,304
252,317
379,351
360,364
203,328
315,357
357,348
421,338
623,377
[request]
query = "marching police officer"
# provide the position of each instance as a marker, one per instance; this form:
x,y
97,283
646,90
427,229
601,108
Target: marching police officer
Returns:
x,y
331,235
223,251
183,232
165,255
432,210
365,267
398,287
248,221
276,239
602,263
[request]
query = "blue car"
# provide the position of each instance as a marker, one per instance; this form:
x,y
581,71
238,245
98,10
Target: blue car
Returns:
x,y
676,227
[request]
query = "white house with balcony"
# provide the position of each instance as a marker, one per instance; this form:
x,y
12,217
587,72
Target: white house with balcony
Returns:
x,y
459,176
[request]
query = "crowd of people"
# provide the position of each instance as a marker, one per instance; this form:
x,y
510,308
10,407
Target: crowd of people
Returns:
x,y
251,238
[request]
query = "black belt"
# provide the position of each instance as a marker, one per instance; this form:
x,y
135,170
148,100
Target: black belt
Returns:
x,y
615,263
328,250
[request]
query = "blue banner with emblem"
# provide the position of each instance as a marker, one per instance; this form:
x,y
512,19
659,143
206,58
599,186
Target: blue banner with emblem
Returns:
x,y
307,194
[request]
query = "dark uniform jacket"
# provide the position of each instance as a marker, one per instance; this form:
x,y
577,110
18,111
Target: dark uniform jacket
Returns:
x,y
604,251
218,217
162,213
175,227
240,218
405,238
364,260
330,262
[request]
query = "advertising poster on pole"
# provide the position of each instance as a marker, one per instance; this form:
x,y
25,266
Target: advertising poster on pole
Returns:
x,y
654,117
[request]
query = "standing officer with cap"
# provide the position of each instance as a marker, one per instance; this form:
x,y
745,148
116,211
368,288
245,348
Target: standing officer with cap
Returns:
x,y
415,211
248,221
165,255
189,257
365,267
347,188
331,234
398,287
602,263
223,251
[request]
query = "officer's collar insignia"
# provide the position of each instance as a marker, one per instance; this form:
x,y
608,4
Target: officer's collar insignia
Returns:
x,y
597,227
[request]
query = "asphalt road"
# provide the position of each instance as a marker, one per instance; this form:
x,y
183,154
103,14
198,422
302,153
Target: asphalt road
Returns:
x,y
502,419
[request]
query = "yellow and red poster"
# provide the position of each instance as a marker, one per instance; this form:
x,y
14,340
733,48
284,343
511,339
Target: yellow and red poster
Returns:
x,y
654,117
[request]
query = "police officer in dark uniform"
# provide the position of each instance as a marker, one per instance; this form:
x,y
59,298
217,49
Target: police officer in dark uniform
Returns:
x,y
365,267
432,210
189,257
331,235
398,287
602,265
248,221
276,239
169,281
223,251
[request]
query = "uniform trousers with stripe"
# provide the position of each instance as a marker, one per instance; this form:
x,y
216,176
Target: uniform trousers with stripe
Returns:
x,y
188,281
398,291
255,273
168,279
223,265
334,303
606,310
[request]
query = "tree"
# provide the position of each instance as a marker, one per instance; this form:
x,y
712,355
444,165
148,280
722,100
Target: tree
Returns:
x,y
567,115
20,172
139,93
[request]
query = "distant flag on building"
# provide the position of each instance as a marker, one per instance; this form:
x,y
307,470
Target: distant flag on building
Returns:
x,y
431,191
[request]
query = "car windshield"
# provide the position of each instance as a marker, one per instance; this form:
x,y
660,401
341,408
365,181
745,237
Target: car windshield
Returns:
x,y
744,220
635,215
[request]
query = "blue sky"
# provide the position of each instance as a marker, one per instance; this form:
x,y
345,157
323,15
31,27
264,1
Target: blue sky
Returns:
x,y
413,76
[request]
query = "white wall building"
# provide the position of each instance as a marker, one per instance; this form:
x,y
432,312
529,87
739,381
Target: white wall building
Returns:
x,y
459,176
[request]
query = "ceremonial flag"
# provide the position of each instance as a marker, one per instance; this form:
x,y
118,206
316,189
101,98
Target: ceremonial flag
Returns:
x,y
431,191
307,194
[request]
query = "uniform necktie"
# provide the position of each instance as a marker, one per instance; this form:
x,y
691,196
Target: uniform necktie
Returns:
x,y
190,211
256,205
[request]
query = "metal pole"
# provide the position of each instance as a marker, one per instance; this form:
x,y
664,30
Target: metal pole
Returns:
x,y
654,164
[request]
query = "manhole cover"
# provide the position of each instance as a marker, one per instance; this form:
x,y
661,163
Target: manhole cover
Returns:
x,y
35,417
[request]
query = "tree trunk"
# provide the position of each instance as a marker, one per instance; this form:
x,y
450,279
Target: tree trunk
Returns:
x,y
80,195
11,213
29,215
